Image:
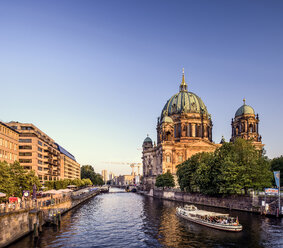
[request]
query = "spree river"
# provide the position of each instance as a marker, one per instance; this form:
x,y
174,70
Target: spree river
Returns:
x,y
119,219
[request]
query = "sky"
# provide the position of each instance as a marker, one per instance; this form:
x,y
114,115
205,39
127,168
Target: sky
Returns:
x,y
95,75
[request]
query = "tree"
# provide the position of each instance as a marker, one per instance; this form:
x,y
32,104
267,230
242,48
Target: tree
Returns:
x,y
277,165
14,179
165,180
231,168
87,171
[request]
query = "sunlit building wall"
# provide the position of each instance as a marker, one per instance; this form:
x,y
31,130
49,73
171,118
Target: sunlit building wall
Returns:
x,y
9,142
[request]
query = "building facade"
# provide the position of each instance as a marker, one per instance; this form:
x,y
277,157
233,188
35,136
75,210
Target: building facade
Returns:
x,y
9,144
70,168
183,129
37,151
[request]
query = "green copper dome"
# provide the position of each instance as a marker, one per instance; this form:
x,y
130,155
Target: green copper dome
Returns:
x,y
183,102
244,109
147,139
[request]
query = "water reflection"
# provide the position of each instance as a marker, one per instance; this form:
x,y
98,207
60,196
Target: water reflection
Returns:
x,y
130,220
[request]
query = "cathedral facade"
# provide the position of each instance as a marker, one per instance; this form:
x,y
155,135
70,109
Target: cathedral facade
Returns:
x,y
184,128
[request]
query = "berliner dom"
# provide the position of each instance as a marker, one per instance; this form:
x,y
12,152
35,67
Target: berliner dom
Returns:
x,y
184,128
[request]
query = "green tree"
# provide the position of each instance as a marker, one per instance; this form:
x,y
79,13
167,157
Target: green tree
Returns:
x,y
231,168
277,165
14,179
165,180
98,180
87,171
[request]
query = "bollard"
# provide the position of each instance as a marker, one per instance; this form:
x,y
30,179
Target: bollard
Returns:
x,y
35,230
40,221
54,219
59,217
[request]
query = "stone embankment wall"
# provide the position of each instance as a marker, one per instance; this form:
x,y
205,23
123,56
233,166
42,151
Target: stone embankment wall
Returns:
x,y
19,220
14,225
251,203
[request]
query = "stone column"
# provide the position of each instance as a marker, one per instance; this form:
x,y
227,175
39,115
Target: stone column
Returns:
x,y
193,130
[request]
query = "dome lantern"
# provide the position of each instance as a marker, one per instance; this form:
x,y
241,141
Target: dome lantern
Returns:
x,y
183,85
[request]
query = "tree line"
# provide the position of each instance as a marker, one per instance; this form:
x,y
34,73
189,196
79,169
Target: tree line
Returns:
x,y
14,179
232,169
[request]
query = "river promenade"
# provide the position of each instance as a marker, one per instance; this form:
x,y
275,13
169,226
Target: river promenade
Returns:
x,y
20,219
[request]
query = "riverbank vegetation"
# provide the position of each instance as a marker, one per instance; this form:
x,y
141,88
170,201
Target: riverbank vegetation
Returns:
x,y
14,179
87,171
165,180
231,169
64,183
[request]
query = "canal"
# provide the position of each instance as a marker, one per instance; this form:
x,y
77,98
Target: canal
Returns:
x,y
119,219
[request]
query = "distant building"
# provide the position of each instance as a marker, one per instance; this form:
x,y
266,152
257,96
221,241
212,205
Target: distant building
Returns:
x,y
125,180
9,144
70,168
111,176
104,175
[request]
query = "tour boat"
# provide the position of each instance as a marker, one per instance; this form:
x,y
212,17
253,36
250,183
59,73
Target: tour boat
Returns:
x,y
210,219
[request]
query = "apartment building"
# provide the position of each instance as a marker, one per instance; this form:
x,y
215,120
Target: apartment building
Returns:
x,y
9,142
37,151
70,168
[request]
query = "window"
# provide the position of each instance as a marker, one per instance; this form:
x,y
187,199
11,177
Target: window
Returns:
x,y
25,153
180,158
25,140
25,147
39,149
39,162
27,135
40,143
26,161
26,128
39,155
168,159
39,168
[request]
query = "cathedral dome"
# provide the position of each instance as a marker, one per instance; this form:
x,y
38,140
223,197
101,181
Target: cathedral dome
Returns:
x,y
244,109
183,102
147,139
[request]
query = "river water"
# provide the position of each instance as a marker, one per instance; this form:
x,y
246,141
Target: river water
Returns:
x,y
119,219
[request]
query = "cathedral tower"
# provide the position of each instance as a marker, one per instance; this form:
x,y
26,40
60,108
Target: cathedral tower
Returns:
x,y
246,125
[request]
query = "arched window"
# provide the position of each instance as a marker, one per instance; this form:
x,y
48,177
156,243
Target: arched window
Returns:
x,y
168,136
180,158
168,160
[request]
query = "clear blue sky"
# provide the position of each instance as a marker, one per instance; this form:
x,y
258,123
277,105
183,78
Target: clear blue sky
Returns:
x,y
95,75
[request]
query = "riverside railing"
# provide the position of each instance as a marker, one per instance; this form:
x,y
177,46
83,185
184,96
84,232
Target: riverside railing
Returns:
x,y
50,200
34,204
